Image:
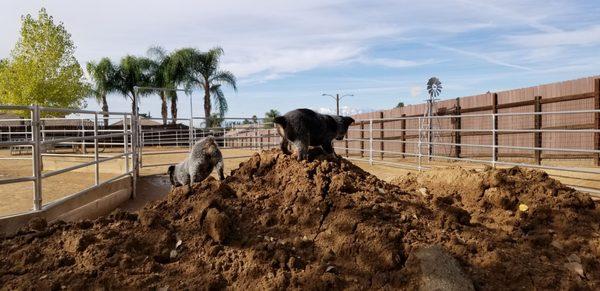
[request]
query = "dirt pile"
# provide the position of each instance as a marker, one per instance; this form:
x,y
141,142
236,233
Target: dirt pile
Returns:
x,y
276,223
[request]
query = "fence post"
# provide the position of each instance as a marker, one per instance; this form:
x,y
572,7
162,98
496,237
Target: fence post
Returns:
x,y
83,148
255,136
494,144
419,156
191,132
495,126
37,158
457,130
97,165
370,141
538,127
403,135
362,139
381,135
346,143
125,142
597,120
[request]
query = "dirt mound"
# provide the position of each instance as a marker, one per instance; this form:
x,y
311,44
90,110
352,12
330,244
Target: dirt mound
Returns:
x,y
277,223
525,229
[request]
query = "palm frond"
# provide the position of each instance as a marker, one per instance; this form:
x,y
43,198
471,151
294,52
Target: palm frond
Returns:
x,y
225,77
219,99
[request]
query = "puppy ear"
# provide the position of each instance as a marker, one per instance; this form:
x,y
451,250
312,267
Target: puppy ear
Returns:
x,y
171,170
348,121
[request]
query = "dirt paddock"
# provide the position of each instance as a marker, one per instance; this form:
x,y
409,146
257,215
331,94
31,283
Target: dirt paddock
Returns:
x,y
276,223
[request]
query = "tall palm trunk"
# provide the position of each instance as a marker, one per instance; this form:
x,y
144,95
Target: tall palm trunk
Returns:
x,y
174,109
133,104
163,109
105,109
207,105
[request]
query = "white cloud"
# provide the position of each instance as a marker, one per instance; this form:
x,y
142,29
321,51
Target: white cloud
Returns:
x,y
393,63
415,91
344,110
482,56
580,37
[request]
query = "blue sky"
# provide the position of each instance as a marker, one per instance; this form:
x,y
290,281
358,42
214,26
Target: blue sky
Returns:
x,y
287,53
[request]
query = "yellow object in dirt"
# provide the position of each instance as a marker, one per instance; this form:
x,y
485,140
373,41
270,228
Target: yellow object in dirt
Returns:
x,y
523,207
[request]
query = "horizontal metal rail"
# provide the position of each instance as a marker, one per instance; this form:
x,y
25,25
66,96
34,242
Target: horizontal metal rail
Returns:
x,y
16,180
83,165
80,138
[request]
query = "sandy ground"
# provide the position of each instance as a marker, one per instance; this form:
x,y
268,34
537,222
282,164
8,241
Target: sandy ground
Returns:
x,y
154,184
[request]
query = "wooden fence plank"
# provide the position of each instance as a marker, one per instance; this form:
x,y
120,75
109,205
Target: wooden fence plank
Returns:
x,y
457,127
381,135
362,142
495,133
403,136
537,120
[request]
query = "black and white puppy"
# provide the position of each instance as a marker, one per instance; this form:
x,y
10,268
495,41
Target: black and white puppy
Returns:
x,y
304,128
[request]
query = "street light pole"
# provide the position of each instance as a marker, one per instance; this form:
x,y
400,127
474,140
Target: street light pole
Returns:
x,y
337,98
337,104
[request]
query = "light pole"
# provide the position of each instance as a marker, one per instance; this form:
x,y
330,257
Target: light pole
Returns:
x,y
337,98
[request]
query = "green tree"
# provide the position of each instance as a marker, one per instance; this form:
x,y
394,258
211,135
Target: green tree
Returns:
x,y
160,77
180,72
103,76
42,68
270,116
131,72
400,105
205,72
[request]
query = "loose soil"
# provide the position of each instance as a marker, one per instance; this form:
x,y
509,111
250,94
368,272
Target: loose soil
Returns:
x,y
276,223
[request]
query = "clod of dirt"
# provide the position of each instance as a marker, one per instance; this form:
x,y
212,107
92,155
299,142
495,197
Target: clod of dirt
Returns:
x,y
216,225
276,223
37,223
434,269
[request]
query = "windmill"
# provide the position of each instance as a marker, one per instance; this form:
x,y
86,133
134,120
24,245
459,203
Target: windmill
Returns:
x,y
434,89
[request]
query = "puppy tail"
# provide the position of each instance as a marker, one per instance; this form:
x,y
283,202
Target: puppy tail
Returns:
x,y
280,120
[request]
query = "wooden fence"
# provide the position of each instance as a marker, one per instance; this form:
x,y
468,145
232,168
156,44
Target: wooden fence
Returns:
x,y
400,135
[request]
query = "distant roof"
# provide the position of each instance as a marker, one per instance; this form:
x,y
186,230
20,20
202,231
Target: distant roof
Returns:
x,y
143,122
66,122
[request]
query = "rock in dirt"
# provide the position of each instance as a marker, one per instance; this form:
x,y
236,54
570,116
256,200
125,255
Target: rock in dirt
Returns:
x,y
575,267
217,225
437,270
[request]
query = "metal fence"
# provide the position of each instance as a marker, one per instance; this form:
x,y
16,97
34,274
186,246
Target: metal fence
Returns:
x,y
33,140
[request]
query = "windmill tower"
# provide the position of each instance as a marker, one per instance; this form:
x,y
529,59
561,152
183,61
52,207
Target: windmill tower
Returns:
x,y
430,124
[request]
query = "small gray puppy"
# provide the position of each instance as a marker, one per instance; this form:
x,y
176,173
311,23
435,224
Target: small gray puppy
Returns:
x,y
304,128
204,157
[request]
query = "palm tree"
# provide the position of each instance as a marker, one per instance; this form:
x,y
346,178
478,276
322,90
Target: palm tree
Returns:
x,y
270,116
207,75
160,76
180,72
133,71
102,75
